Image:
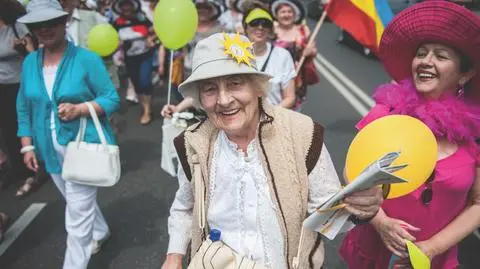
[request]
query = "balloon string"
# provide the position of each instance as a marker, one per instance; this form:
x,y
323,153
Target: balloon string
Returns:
x,y
170,75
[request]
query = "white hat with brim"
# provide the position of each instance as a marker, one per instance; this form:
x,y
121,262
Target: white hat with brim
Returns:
x,y
297,7
216,6
210,60
42,10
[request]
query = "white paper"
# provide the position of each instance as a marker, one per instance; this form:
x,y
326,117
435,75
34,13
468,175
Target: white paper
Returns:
x,y
332,222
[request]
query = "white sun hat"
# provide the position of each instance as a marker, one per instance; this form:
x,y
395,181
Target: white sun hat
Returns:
x,y
220,55
297,7
42,10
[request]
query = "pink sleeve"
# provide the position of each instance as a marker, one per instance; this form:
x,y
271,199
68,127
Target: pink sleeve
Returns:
x,y
376,112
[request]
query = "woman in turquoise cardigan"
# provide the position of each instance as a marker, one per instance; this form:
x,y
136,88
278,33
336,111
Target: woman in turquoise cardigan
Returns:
x,y
56,82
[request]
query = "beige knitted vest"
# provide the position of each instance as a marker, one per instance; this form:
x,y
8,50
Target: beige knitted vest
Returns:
x,y
285,144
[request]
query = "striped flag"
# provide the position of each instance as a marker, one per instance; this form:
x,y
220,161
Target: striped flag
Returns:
x,y
365,20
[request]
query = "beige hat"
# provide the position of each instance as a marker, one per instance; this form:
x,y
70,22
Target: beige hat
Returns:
x,y
220,55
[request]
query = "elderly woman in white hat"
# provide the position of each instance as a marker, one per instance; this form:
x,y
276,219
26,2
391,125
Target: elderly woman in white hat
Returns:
x,y
56,82
251,170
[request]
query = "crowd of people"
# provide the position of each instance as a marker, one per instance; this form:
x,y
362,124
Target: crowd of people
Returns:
x,y
250,165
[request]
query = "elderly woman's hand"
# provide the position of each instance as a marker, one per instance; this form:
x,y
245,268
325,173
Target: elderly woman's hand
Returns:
x,y
364,204
173,261
68,112
168,110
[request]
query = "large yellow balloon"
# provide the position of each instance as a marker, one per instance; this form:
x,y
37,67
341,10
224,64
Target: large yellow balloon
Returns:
x,y
103,39
406,134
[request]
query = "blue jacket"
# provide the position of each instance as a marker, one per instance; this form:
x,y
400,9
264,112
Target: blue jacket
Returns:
x,y
81,77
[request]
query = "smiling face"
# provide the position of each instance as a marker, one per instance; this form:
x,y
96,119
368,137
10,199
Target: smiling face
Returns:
x,y
259,30
436,69
285,15
231,103
50,33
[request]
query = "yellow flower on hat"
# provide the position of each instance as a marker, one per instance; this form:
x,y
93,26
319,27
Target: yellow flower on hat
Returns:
x,y
238,49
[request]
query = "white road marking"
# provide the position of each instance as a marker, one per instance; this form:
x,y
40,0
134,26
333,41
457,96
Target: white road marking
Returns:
x,y
361,108
17,228
345,80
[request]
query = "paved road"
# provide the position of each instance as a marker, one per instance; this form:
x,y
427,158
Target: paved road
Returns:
x,y
137,208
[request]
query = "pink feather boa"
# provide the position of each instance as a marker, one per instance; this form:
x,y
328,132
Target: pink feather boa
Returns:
x,y
451,117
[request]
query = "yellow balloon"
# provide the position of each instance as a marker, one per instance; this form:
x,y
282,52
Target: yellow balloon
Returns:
x,y
103,39
405,134
418,259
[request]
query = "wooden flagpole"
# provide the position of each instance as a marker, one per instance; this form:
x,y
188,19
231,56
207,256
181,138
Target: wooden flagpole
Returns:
x,y
313,36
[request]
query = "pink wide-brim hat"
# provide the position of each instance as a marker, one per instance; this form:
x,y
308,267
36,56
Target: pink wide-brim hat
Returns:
x,y
434,21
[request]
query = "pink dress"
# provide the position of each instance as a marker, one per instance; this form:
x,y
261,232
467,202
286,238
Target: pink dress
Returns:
x,y
363,248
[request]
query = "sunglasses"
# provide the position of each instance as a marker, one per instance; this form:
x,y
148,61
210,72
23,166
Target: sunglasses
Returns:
x,y
427,194
263,22
47,24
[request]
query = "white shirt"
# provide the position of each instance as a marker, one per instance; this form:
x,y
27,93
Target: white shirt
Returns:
x,y
49,75
280,66
240,203
72,28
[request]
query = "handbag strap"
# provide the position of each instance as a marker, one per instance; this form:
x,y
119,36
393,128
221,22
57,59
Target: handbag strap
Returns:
x,y
199,192
83,126
264,67
15,32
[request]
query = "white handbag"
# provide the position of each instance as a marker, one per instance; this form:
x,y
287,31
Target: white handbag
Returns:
x,y
88,163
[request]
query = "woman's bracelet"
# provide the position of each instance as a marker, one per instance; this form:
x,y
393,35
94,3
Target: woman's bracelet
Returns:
x,y
26,149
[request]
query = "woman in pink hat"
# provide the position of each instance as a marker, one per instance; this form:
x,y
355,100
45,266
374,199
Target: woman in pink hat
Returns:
x,y
431,49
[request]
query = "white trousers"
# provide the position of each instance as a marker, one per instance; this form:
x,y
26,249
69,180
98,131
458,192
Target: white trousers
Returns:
x,y
84,221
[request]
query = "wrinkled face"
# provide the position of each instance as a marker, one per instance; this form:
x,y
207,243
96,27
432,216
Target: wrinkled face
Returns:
x,y
286,15
205,12
436,70
49,33
231,103
259,30
128,9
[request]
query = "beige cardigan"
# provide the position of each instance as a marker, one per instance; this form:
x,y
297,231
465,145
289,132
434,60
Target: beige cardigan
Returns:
x,y
290,145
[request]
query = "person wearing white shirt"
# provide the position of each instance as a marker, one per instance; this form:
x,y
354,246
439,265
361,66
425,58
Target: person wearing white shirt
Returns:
x,y
251,170
275,61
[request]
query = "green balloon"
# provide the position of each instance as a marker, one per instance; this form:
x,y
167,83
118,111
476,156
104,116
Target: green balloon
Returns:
x,y
103,39
175,22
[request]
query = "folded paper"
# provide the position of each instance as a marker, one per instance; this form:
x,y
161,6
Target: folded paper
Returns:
x,y
331,218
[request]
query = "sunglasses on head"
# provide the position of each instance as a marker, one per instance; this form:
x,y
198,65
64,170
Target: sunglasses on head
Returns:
x,y
427,194
47,24
263,22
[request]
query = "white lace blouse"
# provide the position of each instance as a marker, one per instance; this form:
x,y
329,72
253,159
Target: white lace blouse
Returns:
x,y
240,202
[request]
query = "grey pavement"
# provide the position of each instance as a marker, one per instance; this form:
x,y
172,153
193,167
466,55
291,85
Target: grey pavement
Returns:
x,y
137,208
